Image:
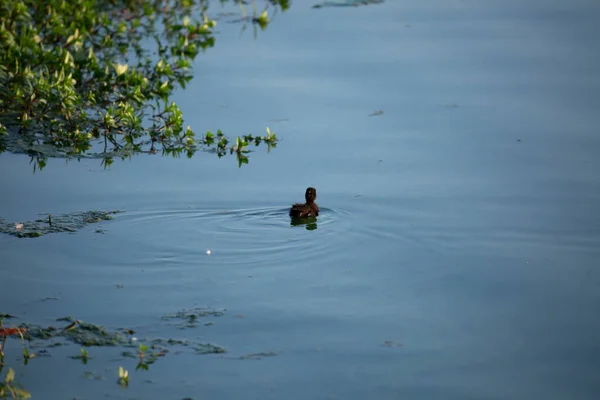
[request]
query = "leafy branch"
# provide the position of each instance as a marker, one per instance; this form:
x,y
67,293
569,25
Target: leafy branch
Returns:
x,y
89,78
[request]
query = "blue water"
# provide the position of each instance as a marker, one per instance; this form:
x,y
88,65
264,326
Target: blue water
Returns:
x,y
456,253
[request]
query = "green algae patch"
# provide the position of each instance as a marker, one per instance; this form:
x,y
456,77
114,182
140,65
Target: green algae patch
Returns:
x,y
190,318
71,222
90,335
40,340
94,335
199,348
79,332
208,348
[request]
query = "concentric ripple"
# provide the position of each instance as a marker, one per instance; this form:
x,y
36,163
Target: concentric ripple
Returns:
x,y
242,236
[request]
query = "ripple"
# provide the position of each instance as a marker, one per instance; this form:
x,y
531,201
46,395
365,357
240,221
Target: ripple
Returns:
x,y
234,237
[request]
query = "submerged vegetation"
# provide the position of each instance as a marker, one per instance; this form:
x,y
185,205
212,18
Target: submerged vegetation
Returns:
x,y
40,341
52,224
9,389
92,78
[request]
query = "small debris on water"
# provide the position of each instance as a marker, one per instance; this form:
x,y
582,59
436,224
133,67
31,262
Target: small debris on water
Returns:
x,y
208,252
19,227
258,356
390,343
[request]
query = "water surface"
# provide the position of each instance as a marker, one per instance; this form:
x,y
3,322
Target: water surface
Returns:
x,y
456,254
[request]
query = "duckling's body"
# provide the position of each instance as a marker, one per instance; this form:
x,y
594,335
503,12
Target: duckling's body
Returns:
x,y
309,209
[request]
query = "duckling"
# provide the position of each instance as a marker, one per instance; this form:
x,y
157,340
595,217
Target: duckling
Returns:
x,y
310,209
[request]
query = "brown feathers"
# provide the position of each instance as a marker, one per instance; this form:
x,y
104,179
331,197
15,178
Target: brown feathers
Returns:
x,y
310,209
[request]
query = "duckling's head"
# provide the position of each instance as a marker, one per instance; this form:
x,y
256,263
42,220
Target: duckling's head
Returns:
x,y
311,194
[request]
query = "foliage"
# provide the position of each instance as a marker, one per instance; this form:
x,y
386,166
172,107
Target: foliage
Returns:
x,y
8,388
92,78
123,376
84,356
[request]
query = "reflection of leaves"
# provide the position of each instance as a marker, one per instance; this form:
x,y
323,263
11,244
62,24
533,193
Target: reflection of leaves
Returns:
x,y
242,159
261,19
347,3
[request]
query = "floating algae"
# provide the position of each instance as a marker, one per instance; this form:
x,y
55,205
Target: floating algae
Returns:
x,y
88,335
71,222
191,317
83,334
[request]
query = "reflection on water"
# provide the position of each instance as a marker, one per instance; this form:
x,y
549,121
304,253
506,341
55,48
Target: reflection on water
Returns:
x,y
252,236
309,223
474,251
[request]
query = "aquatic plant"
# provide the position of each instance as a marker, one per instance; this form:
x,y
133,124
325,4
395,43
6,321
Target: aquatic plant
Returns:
x,y
190,318
88,78
147,356
61,223
86,334
84,356
5,333
123,376
8,387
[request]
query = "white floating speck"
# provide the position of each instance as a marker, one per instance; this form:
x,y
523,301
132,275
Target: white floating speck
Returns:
x,y
208,252
19,226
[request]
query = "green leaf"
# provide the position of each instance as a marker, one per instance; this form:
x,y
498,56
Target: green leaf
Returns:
x,y
10,376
